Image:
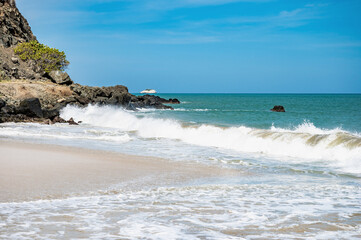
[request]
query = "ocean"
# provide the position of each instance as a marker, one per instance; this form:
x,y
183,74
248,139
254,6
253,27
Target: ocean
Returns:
x,y
303,169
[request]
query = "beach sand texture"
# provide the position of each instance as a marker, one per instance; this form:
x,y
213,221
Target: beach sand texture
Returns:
x,y
33,171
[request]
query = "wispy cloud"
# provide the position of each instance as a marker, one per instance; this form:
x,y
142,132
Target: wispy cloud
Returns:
x,y
288,19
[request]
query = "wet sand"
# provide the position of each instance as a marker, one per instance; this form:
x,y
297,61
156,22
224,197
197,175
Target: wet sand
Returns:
x,y
34,171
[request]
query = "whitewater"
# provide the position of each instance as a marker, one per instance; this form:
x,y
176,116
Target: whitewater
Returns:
x,y
301,170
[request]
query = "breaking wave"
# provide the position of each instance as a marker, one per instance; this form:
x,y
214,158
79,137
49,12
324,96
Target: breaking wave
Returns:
x,y
306,141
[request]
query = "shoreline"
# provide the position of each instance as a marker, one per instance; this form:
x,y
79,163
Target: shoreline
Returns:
x,y
32,171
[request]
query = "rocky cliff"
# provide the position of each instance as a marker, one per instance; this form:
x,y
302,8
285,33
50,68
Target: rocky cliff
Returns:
x,y
30,95
13,26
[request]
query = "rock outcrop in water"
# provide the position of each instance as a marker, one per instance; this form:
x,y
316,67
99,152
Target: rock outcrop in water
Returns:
x,y
29,95
278,109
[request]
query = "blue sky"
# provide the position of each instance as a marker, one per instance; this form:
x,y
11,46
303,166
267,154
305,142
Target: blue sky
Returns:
x,y
227,46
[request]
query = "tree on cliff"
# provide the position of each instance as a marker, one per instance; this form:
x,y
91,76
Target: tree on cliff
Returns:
x,y
48,59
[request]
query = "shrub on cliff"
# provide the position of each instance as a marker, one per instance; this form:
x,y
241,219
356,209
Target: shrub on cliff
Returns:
x,y
48,59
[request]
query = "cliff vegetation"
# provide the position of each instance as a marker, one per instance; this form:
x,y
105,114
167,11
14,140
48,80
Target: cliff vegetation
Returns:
x,y
48,59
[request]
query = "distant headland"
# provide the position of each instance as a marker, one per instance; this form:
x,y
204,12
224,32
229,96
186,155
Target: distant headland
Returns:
x,y
33,84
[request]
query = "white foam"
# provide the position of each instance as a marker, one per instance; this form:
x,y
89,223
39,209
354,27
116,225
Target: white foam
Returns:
x,y
307,142
297,211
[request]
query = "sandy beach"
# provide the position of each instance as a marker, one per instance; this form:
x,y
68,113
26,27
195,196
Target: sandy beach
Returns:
x,y
33,171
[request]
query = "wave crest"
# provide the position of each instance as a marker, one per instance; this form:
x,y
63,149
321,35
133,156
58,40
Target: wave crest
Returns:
x,y
305,141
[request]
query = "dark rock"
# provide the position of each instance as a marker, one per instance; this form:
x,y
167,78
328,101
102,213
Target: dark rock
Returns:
x,y
8,109
19,118
30,107
122,98
6,67
14,72
51,113
278,109
13,26
149,101
100,100
173,101
116,95
58,119
60,77
72,122
82,100
2,104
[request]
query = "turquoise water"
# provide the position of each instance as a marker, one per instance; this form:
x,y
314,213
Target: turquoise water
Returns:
x,y
253,110
298,172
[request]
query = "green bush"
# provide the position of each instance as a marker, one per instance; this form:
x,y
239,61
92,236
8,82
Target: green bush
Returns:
x,y
48,59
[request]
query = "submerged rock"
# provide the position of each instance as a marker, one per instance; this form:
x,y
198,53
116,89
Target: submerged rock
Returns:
x,y
171,101
278,108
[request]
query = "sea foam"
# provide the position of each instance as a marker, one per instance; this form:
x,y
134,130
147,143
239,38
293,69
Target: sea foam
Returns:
x,y
337,147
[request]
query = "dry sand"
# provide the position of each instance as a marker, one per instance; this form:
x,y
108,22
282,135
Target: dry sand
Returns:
x,y
34,171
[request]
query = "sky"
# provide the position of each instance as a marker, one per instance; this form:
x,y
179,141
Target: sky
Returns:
x,y
206,46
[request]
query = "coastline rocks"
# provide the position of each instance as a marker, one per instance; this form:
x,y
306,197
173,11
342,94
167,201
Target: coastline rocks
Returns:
x,y
147,101
28,94
278,108
51,113
2,104
58,119
19,118
172,101
153,101
116,95
61,78
31,107
47,105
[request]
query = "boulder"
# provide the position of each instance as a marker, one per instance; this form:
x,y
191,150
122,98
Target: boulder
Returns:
x,y
15,60
2,104
173,101
278,108
51,113
30,107
60,77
